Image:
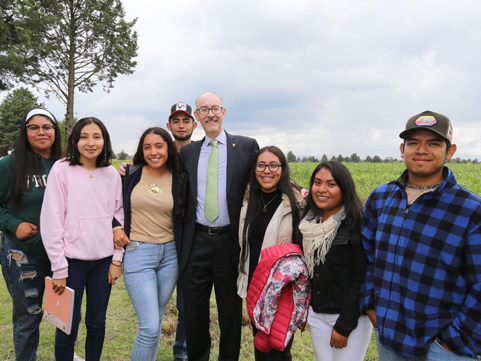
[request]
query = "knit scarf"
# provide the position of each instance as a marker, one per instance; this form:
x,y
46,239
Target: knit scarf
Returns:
x,y
318,237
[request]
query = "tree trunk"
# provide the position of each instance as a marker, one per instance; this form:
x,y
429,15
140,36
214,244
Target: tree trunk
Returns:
x,y
69,118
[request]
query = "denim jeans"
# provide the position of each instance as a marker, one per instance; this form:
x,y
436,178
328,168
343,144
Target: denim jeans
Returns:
x,y
180,345
91,276
436,353
24,275
150,276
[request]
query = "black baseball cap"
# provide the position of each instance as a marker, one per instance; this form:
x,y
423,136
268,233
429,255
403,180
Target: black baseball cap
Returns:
x,y
181,107
432,121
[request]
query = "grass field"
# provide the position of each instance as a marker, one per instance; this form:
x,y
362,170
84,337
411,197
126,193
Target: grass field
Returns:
x,y
368,176
121,320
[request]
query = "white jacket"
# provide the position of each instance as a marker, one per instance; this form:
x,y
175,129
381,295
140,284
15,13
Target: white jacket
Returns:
x,y
279,231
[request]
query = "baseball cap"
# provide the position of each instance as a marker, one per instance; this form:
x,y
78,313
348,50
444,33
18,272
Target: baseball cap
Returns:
x,y
181,107
432,121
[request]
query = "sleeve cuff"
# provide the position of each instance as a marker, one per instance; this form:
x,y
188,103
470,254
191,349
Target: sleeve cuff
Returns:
x,y
118,255
61,273
13,224
342,330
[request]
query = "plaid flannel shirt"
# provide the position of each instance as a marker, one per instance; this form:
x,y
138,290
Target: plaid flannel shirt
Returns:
x,y
424,267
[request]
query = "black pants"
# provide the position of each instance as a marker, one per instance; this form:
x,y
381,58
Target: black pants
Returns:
x,y
273,355
211,264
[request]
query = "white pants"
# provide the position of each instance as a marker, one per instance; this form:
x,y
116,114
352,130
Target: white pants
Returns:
x,y
320,327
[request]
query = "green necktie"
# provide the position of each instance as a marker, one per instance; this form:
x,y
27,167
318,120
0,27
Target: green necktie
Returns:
x,y
211,209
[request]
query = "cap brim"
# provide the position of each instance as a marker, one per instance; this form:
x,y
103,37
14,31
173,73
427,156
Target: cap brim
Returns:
x,y
181,111
405,134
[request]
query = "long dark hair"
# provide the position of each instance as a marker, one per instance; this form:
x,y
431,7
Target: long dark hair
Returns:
x,y
254,205
350,199
26,163
73,155
174,165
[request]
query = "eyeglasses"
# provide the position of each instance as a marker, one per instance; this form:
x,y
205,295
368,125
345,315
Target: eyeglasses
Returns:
x,y
34,128
273,167
206,110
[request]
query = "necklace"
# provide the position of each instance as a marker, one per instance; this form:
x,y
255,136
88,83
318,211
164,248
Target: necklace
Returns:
x,y
154,189
264,209
91,172
423,189
414,192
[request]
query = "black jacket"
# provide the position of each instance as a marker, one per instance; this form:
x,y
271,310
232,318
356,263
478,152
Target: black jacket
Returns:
x,y
129,181
241,155
336,284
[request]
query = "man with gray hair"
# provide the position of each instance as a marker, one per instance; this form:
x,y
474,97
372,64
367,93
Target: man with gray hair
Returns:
x,y
218,168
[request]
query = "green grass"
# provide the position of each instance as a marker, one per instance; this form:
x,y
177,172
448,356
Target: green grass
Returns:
x,y
121,320
368,176
122,328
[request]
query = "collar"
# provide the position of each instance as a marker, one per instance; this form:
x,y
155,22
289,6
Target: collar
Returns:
x,y
449,180
221,138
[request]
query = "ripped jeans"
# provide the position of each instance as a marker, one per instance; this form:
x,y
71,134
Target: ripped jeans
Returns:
x,y
24,275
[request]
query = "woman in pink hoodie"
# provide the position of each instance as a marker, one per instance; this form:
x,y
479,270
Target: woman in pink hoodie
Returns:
x,y
81,214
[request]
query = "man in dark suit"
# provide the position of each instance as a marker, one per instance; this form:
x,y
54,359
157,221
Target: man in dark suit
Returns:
x,y
218,169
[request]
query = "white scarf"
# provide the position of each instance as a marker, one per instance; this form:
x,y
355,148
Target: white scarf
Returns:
x,y
318,237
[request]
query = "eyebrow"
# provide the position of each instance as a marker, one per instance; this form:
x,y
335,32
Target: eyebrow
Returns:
x,y
437,139
153,143
327,180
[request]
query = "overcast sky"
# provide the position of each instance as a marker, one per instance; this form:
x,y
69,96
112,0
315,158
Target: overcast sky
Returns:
x,y
313,77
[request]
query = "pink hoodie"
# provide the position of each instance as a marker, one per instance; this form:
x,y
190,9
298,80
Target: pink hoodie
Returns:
x,y
77,214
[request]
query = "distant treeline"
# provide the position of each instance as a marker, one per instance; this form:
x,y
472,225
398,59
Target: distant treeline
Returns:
x,y
354,158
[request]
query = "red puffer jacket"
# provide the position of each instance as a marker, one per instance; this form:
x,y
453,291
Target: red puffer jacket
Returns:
x,y
278,296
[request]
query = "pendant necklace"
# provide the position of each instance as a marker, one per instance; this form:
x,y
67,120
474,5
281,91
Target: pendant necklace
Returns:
x,y
91,173
264,209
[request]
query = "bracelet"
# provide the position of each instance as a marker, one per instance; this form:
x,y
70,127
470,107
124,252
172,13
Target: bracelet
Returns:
x,y
116,265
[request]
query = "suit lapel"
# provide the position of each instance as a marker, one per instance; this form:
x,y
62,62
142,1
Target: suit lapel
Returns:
x,y
231,159
194,167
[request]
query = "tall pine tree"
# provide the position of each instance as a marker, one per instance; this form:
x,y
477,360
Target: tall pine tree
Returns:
x,y
12,111
83,43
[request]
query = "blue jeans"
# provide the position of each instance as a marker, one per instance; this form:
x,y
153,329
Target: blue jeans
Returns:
x,y
24,275
150,276
180,345
436,353
91,276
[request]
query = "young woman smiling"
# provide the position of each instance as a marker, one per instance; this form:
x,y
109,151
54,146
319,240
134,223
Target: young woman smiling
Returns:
x,y
24,261
153,193
335,257
81,210
270,215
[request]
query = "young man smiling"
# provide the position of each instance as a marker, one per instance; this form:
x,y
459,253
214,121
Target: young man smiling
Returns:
x,y
422,236
181,124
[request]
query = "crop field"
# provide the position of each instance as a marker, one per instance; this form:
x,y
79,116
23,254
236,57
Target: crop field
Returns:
x,y
368,176
121,320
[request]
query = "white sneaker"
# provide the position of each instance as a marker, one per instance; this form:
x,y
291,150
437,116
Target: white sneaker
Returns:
x,y
77,357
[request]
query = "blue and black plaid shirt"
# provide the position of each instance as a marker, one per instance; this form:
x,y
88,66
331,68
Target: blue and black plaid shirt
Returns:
x,y
424,269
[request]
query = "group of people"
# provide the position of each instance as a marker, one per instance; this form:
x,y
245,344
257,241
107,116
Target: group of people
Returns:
x,y
221,213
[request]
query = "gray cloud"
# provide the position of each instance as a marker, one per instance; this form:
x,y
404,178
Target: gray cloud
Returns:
x,y
311,77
